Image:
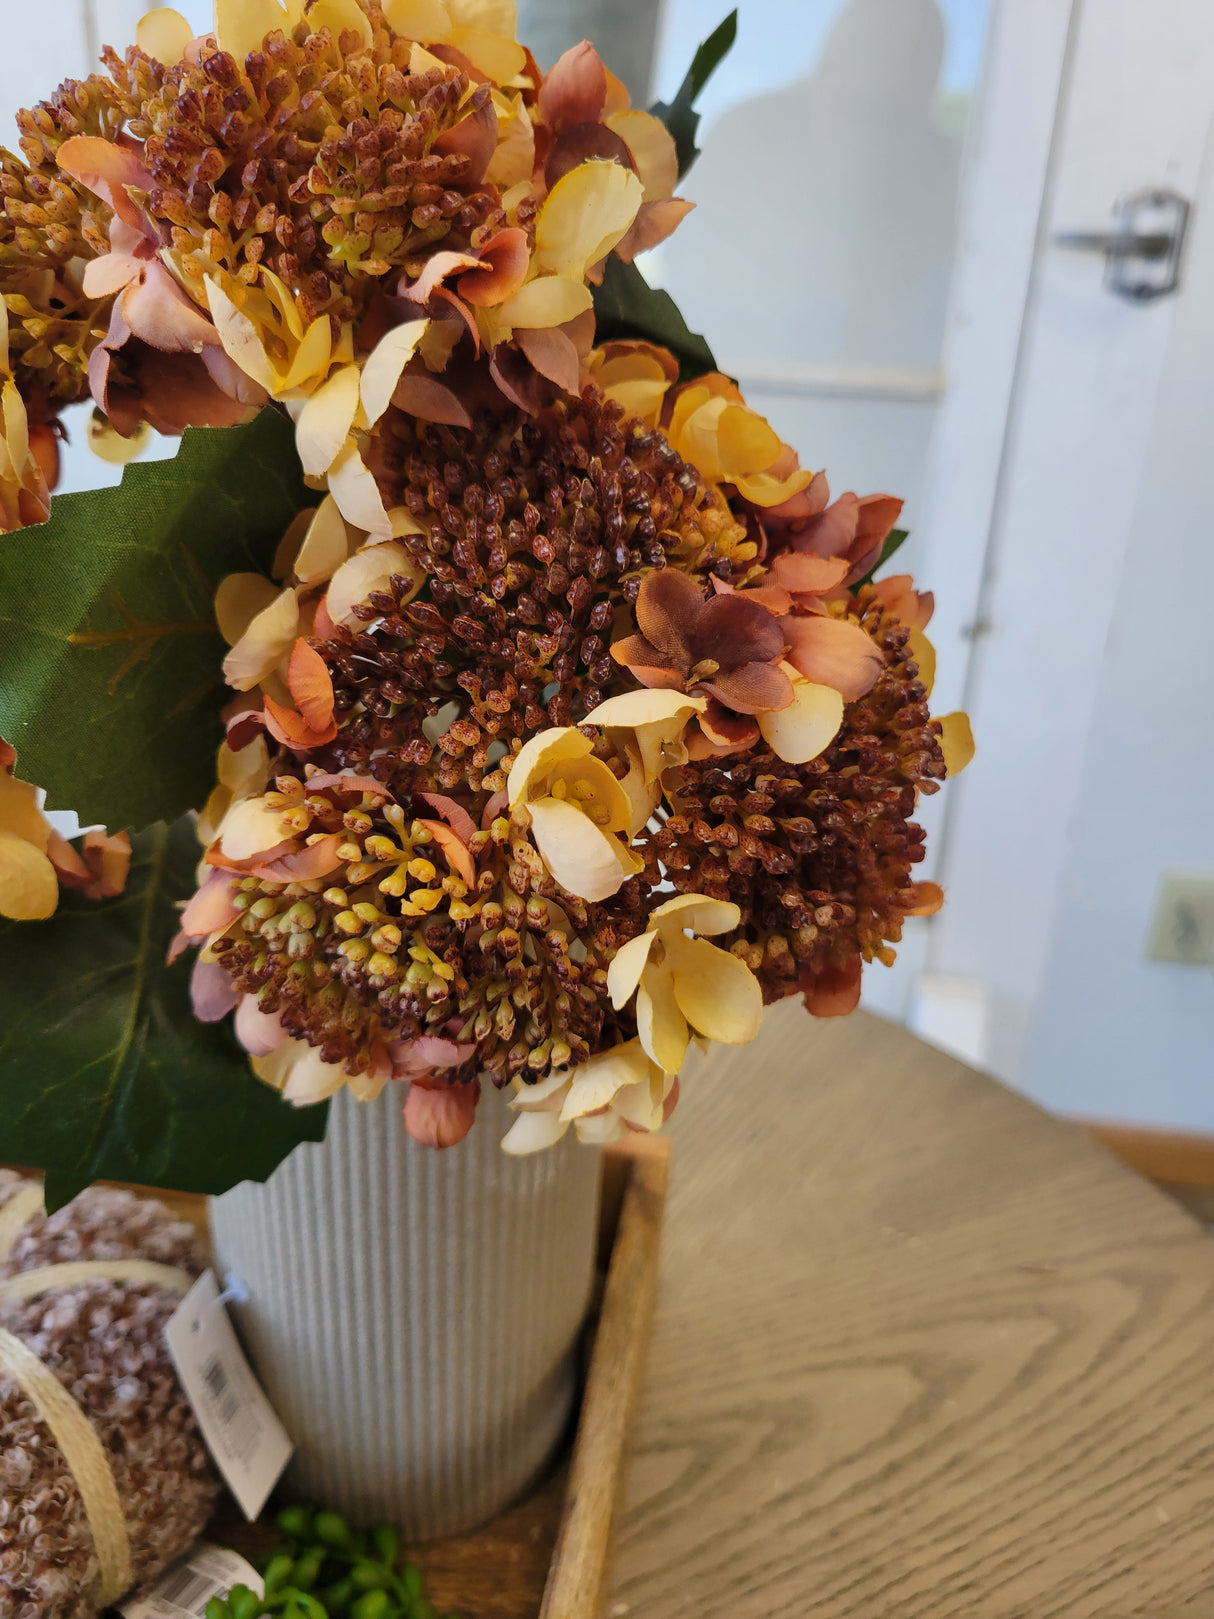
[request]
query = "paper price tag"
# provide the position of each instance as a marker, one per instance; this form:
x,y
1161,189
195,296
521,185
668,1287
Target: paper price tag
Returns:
x,y
183,1591
249,1445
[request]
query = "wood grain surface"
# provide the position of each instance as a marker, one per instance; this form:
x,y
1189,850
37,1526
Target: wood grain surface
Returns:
x,y
918,1349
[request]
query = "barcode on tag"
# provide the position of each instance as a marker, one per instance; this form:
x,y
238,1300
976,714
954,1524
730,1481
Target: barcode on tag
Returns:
x,y
249,1445
184,1590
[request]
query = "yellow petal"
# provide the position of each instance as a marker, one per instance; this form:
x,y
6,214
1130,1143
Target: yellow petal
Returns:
x,y
514,158
311,1078
956,742
590,785
699,913
241,25
585,214
641,1104
661,1026
240,338
368,571
108,444
16,427
262,646
357,494
325,544
653,151
644,793
545,1096
541,754
600,1129
312,358
579,857
810,723
337,16
594,1083
424,20
717,993
499,59
533,1132
326,419
21,811
637,708
924,654
698,439
29,888
489,16
164,34
549,301
384,365
251,827
284,301
244,770
239,599
626,968
639,396
764,490
746,443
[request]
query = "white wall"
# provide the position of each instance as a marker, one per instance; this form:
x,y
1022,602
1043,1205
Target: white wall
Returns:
x,y
1117,1036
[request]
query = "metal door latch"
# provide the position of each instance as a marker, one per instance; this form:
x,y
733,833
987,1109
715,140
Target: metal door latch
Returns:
x,y
1142,256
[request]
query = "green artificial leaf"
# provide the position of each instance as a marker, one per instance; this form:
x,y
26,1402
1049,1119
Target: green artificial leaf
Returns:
x,y
110,659
104,1071
679,115
625,305
893,542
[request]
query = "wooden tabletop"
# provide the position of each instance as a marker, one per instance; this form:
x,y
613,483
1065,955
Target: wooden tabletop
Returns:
x,y
919,1349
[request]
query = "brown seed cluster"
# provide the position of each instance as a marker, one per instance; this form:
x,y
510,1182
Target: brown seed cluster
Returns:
x,y
537,533
326,161
398,944
819,856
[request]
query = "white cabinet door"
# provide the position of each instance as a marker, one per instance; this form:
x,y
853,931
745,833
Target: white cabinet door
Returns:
x,y
1089,680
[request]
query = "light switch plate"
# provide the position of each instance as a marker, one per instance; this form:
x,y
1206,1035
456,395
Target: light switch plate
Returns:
x,y
1182,927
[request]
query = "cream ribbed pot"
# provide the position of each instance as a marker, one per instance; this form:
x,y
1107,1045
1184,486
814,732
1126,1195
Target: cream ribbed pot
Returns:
x,y
414,1314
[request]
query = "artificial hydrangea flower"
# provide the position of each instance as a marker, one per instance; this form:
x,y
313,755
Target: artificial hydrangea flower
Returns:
x,y
575,811
619,1090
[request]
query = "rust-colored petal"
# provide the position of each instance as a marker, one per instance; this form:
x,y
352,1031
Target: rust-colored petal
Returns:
x,y
735,629
574,89
752,688
580,142
501,272
317,859
552,354
455,815
649,665
475,136
442,1116
831,533
727,728
833,991
459,856
666,609
833,652
421,395
807,573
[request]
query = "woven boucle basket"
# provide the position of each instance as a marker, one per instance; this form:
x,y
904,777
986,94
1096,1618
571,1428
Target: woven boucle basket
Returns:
x,y
104,1342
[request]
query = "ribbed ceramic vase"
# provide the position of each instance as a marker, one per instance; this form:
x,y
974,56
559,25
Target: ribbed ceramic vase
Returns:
x,y
414,1314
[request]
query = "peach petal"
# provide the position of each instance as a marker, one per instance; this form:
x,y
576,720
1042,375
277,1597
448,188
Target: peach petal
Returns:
x,y
456,817
928,898
805,571
292,730
238,601
211,907
416,1059
807,726
653,151
259,1032
833,652
441,1117
212,993
655,221
107,169
159,312
317,859
459,856
831,533
345,782
311,685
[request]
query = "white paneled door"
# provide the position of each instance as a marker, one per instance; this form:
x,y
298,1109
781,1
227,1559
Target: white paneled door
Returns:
x,y
1075,436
